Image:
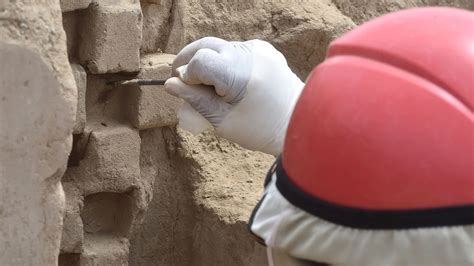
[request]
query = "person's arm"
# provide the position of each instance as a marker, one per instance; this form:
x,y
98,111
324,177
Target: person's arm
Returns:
x,y
253,90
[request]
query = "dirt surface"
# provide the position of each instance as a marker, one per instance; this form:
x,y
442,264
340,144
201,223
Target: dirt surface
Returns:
x,y
204,193
231,182
300,31
362,10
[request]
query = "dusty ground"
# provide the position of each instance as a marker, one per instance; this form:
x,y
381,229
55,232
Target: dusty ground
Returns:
x,y
204,193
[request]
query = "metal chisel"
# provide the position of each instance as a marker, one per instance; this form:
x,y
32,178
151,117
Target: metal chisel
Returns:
x,y
139,82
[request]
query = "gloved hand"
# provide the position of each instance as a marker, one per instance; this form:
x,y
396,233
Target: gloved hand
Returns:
x,y
244,89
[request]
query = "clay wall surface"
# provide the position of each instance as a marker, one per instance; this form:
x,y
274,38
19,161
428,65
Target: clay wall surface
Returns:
x,y
38,101
128,157
97,174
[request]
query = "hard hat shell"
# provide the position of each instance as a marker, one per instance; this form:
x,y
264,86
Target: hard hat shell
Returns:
x,y
386,122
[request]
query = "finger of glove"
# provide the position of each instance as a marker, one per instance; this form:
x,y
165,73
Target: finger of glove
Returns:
x,y
187,53
209,68
202,98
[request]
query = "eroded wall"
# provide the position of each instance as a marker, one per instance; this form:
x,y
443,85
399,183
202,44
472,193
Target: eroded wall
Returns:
x,y
37,110
126,152
107,186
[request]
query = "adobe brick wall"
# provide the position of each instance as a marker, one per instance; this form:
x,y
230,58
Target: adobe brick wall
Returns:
x,y
127,153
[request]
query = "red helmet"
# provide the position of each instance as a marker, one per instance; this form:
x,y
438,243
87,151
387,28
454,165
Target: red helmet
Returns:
x,y
385,125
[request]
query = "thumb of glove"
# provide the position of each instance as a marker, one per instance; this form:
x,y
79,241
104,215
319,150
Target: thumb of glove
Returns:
x,y
201,98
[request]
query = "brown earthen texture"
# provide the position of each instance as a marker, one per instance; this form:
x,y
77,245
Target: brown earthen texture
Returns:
x,y
107,191
204,192
156,24
362,10
71,5
37,110
301,30
80,77
151,106
110,37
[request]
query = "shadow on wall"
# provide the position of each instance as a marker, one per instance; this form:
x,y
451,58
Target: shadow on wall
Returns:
x,y
69,259
107,213
107,217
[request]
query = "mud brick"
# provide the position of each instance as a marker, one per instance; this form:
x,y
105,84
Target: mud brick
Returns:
x,y
111,37
71,5
151,106
81,82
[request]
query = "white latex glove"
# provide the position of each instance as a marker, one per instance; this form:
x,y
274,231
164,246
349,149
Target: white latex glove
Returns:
x,y
244,89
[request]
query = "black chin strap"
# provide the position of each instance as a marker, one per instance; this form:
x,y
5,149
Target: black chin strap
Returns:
x,y
371,219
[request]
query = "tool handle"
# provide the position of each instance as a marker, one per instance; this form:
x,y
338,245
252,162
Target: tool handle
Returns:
x,y
149,82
